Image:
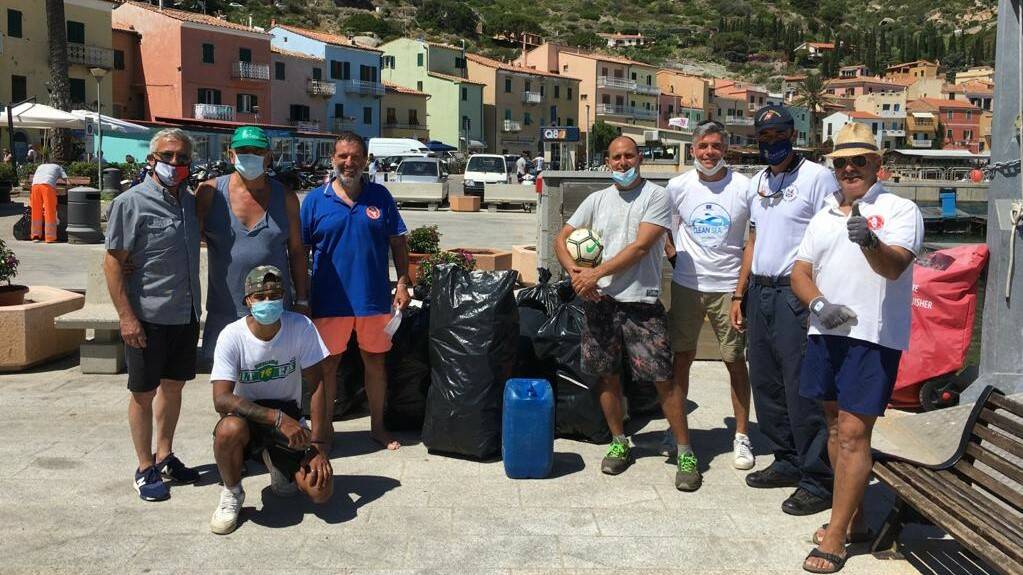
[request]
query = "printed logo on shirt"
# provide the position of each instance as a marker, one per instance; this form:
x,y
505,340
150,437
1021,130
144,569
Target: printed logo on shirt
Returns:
x,y
790,193
373,212
267,371
875,222
709,223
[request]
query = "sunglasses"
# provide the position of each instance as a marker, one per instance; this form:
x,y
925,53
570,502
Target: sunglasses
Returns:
x,y
858,161
173,158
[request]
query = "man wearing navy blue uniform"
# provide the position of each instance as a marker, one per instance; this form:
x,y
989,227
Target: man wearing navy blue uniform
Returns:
x,y
351,224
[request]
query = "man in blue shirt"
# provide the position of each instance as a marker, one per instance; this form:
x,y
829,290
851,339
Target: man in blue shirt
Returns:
x,y
350,224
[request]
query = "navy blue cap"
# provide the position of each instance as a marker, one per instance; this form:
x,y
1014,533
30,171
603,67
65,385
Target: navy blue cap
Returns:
x,y
773,116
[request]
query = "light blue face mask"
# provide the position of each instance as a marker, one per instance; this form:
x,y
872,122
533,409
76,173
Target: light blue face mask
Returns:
x,y
267,312
626,178
249,166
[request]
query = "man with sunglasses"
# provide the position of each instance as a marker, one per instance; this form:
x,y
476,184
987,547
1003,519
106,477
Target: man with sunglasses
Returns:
x,y
789,191
152,229
853,272
710,208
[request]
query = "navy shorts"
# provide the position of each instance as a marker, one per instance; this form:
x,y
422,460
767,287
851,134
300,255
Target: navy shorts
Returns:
x,y
859,375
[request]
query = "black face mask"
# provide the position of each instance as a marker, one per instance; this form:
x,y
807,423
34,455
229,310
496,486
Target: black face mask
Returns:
x,y
776,152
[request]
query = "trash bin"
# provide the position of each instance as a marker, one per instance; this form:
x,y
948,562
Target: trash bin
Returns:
x,y
947,198
112,181
83,207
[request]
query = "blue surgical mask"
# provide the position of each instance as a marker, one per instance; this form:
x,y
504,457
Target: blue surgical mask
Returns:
x,y
249,166
267,312
626,178
775,153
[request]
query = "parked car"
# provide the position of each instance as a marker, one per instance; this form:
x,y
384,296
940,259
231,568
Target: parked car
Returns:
x,y
485,169
384,147
421,170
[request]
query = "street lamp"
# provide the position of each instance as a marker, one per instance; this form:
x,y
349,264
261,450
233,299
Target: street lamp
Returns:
x,y
98,73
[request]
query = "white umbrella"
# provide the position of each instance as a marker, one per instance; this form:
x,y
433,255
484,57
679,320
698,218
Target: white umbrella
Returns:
x,y
40,117
111,124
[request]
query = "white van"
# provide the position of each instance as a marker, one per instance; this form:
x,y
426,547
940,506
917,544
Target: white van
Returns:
x,y
484,169
385,147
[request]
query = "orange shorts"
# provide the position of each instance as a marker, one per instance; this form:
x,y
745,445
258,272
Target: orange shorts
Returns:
x,y
336,331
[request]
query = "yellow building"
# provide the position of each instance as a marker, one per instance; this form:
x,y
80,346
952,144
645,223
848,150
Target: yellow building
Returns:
x,y
915,70
24,52
976,74
403,113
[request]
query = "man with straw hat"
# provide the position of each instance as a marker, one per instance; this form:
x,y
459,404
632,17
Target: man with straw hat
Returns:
x,y
853,272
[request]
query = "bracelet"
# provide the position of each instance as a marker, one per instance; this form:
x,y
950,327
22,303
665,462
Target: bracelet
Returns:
x,y
277,423
302,302
736,297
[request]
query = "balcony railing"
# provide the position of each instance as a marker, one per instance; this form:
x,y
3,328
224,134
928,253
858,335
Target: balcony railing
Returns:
x,y
320,88
511,126
738,121
214,112
365,88
615,83
647,90
891,114
396,125
86,55
306,125
250,71
921,143
751,107
895,133
609,110
342,124
531,97
643,113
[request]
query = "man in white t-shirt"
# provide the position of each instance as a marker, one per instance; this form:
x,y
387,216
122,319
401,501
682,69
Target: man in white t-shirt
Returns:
x,y
789,192
853,271
710,207
259,365
624,318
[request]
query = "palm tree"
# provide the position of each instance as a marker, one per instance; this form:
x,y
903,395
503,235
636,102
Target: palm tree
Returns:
x,y
810,95
60,88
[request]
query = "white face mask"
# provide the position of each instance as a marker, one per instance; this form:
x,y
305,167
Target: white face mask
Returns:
x,y
705,171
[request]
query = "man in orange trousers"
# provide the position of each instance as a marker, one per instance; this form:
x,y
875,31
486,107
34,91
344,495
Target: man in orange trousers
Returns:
x,y
44,201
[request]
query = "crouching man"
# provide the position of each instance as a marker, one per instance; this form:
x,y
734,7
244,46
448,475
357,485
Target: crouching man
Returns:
x,y
259,365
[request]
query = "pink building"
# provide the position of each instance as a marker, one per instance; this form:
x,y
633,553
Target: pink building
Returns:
x,y
299,90
198,66
852,87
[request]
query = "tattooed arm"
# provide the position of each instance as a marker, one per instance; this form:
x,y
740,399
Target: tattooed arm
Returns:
x,y
227,403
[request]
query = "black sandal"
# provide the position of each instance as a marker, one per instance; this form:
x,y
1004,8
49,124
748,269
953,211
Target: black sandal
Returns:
x,y
837,561
851,539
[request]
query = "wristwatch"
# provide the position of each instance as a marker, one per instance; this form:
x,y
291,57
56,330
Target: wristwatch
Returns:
x,y
304,302
817,305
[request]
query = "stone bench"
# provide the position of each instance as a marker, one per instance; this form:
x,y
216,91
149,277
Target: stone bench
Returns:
x,y
497,194
432,195
104,353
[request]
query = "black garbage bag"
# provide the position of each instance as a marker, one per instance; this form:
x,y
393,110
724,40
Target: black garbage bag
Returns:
x,y
350,398
527,364
641,394
23,227
543,296
577,412
474,326
408,371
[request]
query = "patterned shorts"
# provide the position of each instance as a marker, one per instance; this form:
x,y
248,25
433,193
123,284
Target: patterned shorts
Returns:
x,y
639,331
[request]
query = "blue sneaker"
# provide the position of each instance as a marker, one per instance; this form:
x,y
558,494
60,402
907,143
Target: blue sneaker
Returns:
x,y
172,469
150,486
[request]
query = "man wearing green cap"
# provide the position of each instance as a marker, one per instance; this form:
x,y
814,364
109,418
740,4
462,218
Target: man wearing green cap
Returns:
x,y
248,219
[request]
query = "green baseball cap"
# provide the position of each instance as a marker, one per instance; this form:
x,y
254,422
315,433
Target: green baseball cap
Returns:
x,y
263,278
249,137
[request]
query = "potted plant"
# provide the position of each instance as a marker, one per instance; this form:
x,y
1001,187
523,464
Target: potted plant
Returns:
x,y
462,259
10,294
422,242
8,179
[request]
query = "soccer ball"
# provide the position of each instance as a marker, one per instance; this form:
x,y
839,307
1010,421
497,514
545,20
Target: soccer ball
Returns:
x,y
584,247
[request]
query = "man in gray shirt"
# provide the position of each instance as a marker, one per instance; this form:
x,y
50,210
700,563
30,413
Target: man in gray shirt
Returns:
x,y
153,228
624,318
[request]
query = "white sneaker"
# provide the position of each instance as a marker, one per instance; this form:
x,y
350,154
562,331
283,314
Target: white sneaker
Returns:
x,y
280,484
668,445
225,518
742,453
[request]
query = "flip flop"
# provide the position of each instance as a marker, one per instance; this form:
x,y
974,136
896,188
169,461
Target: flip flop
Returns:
x,y
852,538
837,561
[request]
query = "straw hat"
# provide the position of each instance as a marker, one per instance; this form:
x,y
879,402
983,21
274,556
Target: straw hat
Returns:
x,y
854,140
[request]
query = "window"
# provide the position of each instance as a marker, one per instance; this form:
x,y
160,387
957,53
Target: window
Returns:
x,y
299,113
247,103
419,85
413,117
419,59
278,70
77,90
557,91
605,99
897,106
633,76
873,127
392,116
649,80
118,59
317,73
75,32
19,88
465,94
969,115
541,91
603,71
209,96
507,114
207,53
387,62
950,115
967,134
948,134
671,109
886,107
460,63
244,55
554,116
529,86
619,101
339,111
507,85
367,115
527,119
368,73
346,70
335,70
568,93
14,24
569,121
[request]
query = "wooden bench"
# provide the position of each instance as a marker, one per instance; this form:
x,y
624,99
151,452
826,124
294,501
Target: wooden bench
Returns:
x,y
497,194
976,496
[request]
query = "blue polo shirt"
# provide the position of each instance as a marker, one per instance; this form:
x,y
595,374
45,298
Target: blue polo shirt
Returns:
x,y
350,246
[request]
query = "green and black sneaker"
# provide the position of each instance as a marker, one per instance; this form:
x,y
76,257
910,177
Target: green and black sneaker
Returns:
x,y
688,477
618,458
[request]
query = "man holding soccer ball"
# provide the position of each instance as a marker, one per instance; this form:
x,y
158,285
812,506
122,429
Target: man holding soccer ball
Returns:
x,y
624,318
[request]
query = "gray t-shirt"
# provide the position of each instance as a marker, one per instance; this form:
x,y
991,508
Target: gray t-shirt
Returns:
x,y
616,216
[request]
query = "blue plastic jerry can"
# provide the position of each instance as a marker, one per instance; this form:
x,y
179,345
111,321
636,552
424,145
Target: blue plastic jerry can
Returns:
x,y
527,442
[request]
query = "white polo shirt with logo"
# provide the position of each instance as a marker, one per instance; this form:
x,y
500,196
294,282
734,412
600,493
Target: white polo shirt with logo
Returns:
x,y
843,275
782,207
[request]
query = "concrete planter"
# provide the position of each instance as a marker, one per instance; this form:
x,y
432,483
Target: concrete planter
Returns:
x,y
490,260
464,203
27,334
524,262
